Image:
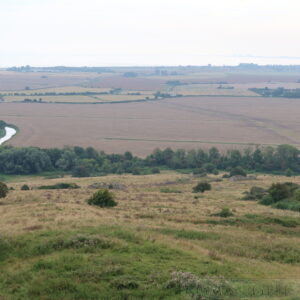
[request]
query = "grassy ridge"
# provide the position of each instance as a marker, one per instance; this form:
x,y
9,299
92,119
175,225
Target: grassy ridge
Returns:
x,y
116,264
153,245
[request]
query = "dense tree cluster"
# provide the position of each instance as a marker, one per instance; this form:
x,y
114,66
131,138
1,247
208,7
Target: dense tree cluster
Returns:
x,y
280,195
267,159
278,92
85,162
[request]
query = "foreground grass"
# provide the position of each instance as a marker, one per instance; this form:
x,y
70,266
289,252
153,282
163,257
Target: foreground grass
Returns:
x,y
153,245
116,264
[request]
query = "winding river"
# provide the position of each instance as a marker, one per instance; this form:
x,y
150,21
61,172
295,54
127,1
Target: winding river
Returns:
x,y
10,132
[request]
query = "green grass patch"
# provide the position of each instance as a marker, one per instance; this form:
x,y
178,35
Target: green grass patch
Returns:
x,y
59,186
190,234
168,190
109,262
269,224
106,261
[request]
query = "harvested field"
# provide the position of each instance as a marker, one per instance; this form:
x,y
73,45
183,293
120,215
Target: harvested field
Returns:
x,y
57,99
111,98
138,83
140,127
63,89
11,81
210,90
78,98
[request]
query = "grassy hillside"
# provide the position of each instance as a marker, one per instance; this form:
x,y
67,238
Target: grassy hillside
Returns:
x,y
161,242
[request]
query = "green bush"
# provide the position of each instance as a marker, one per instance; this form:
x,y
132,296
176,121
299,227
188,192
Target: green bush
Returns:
x,y
267,200
155,171
280,191
224,213
3,190
170,190
237,171
297,194
201,187
288,173
136,171
59,186
200,171
103,198
255,193
283,196
25,187
81,171
226,175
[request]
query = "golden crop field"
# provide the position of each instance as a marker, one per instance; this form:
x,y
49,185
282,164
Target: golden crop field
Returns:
x,y
54,99
78,98
62,89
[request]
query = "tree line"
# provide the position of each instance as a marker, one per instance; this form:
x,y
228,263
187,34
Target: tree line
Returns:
x,y
88,161
279,92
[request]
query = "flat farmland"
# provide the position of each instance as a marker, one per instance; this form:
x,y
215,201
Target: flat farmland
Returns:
x,y
211,90
12,81
188,123
78,98
139,83
62,89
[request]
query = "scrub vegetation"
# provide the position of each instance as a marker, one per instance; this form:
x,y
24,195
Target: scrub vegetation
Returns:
x,y
152,245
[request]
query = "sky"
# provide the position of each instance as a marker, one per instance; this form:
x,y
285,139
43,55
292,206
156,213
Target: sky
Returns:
x,y
148,32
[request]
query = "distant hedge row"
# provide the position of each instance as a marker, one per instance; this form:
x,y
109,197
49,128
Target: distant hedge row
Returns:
x,y
88,161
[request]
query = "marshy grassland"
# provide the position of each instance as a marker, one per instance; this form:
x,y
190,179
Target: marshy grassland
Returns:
x,y
160,242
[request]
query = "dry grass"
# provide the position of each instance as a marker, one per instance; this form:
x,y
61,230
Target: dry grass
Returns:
x,y
143,207
14,81
63,89
158,217
54,99
112,98
210,90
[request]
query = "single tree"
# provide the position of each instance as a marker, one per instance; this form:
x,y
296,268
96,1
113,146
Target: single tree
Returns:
x,y
202,187
3,190
25,187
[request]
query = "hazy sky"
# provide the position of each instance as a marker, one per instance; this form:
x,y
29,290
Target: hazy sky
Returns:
x,y
148,32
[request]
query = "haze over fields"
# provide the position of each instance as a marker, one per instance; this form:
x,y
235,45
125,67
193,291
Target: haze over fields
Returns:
x,y
149,32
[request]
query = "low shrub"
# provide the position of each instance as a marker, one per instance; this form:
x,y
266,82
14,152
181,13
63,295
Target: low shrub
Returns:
x,y
59,186
125,283
224,213
255,193
226,175
190,234
155,171
200,288
103,198
25,187
3,190
237,171
280,195
200,171
288,173
280,191
169,190
81,171
201,187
